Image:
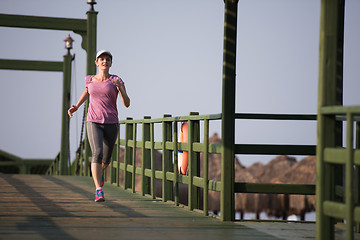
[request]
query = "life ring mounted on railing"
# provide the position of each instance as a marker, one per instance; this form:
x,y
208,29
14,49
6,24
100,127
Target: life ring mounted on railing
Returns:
x,y
183,156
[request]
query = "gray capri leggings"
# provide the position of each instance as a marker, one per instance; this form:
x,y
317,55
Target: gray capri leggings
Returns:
x,y
102,138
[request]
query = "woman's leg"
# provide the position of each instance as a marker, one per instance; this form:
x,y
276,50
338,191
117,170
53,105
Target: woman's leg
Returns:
x,y
96,170
110,136
96,136
104,166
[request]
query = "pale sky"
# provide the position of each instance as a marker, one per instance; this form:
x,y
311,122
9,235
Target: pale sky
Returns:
x,y
169,54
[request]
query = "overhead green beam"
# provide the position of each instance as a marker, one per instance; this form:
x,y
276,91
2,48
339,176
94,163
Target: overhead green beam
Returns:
x,y
22,21
31,65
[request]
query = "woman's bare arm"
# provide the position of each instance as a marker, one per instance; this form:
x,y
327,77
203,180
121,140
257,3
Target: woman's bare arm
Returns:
x,y
84,96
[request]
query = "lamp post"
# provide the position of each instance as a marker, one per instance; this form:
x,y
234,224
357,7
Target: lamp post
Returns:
x,y
68,43
91,3
64,148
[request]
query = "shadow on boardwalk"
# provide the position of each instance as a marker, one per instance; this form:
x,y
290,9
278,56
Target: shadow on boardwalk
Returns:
x,y
63,207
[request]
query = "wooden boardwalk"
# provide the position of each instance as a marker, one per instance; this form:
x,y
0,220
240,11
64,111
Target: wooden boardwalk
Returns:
x,y
63,207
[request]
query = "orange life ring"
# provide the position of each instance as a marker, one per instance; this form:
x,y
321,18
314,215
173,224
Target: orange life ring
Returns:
x,y
183,156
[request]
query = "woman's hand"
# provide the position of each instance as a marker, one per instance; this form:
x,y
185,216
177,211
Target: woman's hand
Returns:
x,y
122,90
72,110
117,81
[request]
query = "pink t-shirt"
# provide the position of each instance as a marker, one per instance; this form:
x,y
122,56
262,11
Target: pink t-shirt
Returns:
x,y
102,100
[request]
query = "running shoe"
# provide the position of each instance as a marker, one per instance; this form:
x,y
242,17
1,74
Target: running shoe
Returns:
x,y
99,195
102,180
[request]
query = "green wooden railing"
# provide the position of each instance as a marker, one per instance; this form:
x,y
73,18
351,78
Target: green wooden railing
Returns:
x,y
267,149
339,201
169,146
126,168
10,163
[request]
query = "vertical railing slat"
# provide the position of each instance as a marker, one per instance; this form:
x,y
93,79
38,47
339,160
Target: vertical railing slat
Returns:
x,y
176,166
166,159
206,166
152,161
117,175
133,156
349,168
145,160
194,166
127,154
357,172
111,168
190,169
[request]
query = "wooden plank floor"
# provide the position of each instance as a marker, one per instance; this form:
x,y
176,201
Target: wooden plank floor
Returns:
x,y
63,207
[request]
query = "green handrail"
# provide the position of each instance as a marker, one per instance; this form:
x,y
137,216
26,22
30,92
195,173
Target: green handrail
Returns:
x,y
169,145
349,157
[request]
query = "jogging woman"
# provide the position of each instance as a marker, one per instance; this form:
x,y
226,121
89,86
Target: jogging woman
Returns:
x,y
102,118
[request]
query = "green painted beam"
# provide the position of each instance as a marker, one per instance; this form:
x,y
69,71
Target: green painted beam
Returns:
x,y
334,155
334,209
260,116
275,149
331,110
10,163
8,156
272,188
22,21
30,65
38,161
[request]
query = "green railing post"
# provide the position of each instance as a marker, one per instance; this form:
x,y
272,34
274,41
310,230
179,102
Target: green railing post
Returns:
x,y
114,171
117,175
90,69
166,159
152,161
349,169
194,162
330,94
111,168
81,161
64,148
227,204
128,154
133,157
206,166
22,169
176,164
357,171
145,160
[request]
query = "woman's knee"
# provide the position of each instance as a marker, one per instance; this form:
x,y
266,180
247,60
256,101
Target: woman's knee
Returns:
x,y
97,156
106,162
